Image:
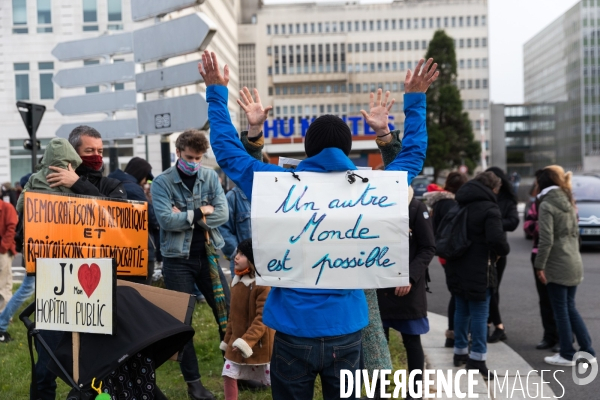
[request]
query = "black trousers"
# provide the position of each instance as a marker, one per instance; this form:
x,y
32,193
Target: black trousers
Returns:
x,y
451,310
548,322
415,357
494,317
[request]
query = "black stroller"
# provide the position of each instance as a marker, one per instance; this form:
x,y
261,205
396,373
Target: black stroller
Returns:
x,y
146,336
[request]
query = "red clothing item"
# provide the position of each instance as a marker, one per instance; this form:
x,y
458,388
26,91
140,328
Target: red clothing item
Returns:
x,y
8,225
432,187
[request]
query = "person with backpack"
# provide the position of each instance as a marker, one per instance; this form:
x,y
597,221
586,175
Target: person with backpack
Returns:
x,y
471,239
558,263
440,203
507,201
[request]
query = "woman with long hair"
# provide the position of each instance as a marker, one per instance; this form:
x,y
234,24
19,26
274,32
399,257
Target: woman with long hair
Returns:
x,y
558,263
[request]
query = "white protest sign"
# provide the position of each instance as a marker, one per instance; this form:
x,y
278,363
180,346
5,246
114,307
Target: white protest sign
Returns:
x,y
323,232
75,295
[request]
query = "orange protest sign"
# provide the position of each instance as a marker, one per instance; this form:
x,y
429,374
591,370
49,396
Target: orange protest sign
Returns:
x,y
74,226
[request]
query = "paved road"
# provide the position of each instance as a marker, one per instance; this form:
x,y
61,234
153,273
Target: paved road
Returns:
x,y
520,311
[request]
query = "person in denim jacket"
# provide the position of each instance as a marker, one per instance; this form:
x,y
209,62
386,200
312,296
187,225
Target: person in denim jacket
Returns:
x,y
188,201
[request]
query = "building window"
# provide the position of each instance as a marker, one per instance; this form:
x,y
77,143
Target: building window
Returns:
x,y
372,65
283,29
357,67
21,81
484,63
408,23
470,104
379,46
269,70
371,25
485,83
276,29
416,45
378,25
409,65
476,20
322,108
401,24
409,45
386,46
394,86
460,21
461,43
484,104
484,42
394,66
477,63
387,67
372,47
19,8
461,64
90,15
454,22
305,28
401,65
438,22
476,42
477,104
468,43
445,22
297,28
115,14
46,85
424,23
468,21
386,25
44,16
483,20
470,84
393,24
268,29
462,83
424,44
364,47
416,23
469,63
380,67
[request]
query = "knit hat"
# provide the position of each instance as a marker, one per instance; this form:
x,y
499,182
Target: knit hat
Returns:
x,y
327,131
139,169
245,247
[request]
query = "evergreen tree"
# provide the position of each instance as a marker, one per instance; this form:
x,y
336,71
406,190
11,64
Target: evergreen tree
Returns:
x,y
451,140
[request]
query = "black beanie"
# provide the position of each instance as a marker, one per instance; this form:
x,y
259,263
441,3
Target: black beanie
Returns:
x,y
245,247
327,131
139,169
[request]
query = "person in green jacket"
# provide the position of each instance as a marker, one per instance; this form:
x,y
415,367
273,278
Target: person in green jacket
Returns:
x,y
558,263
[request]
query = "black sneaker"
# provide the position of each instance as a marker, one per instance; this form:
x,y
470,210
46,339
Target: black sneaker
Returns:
x,y
460,359
497,336
5,337
481,367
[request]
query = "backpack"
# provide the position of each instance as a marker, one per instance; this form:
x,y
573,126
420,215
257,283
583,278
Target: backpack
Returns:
x,y
451,239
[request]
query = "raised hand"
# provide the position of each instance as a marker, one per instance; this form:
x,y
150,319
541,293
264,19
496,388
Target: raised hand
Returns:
x,y
209,69
377,118
419,81
254,110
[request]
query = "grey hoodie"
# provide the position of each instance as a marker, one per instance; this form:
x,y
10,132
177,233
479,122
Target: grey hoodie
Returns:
x,y
58,153
558,251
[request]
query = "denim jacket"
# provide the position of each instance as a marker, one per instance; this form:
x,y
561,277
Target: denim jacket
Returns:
x,y
168,190
238,227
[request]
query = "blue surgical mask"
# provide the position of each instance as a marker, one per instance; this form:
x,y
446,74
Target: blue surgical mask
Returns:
x,y
187,167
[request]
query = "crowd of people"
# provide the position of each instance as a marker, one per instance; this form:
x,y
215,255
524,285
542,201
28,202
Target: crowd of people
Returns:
x,y
281,339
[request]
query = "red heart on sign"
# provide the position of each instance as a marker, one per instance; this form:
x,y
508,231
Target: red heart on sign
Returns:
x,y
89,277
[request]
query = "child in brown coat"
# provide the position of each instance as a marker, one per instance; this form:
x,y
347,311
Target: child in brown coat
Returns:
x,y
248,343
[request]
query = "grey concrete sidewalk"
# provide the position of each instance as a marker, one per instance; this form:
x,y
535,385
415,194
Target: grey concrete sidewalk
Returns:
x,y
512,370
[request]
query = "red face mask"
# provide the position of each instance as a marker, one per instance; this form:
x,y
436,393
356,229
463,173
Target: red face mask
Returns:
x,y
94,162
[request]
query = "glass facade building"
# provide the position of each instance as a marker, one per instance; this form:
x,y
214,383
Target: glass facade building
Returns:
x,y
562,66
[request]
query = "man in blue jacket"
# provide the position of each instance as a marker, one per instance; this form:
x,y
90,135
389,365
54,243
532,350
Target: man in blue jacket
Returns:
x,y
318,331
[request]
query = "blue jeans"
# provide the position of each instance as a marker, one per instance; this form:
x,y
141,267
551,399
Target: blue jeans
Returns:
x,y
296,362
183,276
473,314
21,295
568,320
46,379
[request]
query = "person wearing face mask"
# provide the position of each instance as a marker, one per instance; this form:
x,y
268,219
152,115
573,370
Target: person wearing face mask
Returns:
x,y
87,179
190,205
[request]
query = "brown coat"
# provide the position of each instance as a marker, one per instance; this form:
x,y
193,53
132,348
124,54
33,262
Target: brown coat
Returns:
x,y
245,322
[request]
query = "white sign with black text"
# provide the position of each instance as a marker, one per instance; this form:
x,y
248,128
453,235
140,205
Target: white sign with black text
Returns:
x,y
75,295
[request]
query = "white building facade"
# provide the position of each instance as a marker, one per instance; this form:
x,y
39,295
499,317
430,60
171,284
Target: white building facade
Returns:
x,y
312,59
30,29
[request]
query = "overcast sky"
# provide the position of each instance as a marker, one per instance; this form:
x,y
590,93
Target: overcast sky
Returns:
x,y
512,23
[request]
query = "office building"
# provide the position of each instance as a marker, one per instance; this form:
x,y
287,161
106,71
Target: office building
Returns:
x,y
31,29
309,59
562,65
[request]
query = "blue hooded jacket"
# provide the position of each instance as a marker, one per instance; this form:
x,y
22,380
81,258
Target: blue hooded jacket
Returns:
x,y
311,312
